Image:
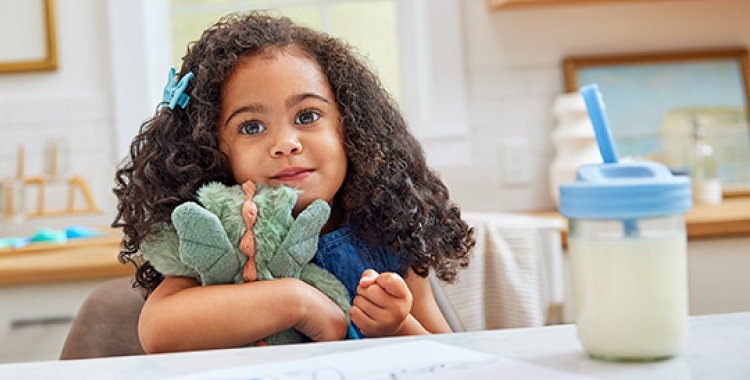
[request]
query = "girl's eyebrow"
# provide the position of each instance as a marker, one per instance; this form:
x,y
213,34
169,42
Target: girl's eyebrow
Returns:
x,y
254,108
296,99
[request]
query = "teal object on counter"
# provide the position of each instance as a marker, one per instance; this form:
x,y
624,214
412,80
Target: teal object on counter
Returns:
x,y
48,235
74,232
7,242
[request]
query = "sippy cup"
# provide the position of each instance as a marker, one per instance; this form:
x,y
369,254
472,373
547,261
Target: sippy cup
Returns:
x,y
628,252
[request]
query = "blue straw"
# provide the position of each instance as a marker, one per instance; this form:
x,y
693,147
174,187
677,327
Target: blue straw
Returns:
x,y
595,106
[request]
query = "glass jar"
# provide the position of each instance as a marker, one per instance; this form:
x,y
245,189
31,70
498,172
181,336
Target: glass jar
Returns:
x,y
56,157
628,250
13,199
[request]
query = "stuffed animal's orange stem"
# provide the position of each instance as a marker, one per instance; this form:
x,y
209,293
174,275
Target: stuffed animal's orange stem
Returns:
x,y
247,244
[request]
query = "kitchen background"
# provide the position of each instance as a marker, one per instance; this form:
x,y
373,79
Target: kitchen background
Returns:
x,y
512,66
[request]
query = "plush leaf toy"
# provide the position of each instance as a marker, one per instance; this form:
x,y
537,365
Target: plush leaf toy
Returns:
x,y
211,243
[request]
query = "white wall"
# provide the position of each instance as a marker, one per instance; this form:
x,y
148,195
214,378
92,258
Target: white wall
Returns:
x,y
74,102
514,62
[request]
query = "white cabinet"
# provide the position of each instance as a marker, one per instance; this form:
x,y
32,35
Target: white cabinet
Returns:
x,y
718,275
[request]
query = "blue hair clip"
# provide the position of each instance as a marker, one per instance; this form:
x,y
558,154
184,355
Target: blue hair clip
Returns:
x,y
174,93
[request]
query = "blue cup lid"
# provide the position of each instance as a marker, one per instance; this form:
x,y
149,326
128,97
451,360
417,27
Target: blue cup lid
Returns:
x,y
625,191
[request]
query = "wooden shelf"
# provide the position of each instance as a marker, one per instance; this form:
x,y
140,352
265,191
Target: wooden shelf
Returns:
x,y
78,259
498,5
730,218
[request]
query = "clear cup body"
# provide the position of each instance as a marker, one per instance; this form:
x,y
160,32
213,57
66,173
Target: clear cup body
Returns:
x,y
630,289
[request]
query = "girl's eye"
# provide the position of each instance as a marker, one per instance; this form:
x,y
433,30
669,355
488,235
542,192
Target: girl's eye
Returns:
x,y
307,117
252,127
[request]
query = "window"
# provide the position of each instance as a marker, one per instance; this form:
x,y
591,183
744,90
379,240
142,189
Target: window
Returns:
x,y
370,25
413,45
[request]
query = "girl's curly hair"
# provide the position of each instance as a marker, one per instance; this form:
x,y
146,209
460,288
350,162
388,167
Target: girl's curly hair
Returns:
x,y
390,196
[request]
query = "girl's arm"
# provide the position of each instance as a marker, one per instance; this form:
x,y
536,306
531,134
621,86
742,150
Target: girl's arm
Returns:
x,y
182,315
425,310
388,305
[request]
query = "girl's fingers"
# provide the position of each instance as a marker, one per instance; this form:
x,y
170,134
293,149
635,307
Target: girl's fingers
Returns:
x,y
394,285
368,278
374,320
360,318
367,308
368,316
375,294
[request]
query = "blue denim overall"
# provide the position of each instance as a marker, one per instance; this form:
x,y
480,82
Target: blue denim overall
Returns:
x,y
346,256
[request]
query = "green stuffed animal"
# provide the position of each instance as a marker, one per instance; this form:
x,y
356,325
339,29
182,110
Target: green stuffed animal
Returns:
x,y
212,244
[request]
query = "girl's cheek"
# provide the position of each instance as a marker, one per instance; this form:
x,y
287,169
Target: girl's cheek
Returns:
x,y
299,206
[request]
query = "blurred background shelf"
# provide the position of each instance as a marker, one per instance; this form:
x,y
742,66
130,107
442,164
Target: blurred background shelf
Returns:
x,y
77,259
730,218
499,5
44,284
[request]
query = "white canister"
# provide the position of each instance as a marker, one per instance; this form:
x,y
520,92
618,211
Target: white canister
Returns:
x,y
574,141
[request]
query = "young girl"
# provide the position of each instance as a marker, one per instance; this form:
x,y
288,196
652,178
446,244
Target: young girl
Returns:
x,y
263,100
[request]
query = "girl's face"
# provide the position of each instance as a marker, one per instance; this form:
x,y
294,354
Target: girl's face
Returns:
x,y
279,125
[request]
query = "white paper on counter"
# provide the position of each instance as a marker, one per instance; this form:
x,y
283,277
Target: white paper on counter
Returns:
x,y
416,360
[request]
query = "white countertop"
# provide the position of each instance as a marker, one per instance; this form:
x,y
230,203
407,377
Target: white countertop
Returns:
x,y
718,348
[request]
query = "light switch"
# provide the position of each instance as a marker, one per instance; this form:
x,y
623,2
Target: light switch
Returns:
x,y
516,161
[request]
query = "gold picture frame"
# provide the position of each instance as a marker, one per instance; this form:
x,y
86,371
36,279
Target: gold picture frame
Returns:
x,y
27,36
646,92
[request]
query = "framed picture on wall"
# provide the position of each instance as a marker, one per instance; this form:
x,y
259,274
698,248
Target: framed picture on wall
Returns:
x,y
27,36
655,102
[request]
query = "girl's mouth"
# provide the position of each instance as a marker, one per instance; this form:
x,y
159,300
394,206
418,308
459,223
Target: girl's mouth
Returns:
x,y
292,174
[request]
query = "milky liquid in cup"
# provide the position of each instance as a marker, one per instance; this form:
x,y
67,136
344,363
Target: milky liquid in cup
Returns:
x,y
631,298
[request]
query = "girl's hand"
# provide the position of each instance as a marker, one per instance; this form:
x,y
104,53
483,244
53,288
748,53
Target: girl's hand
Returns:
x,y
382,304
321,319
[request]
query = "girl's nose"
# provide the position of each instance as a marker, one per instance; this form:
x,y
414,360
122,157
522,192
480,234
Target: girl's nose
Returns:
x,y
286,144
